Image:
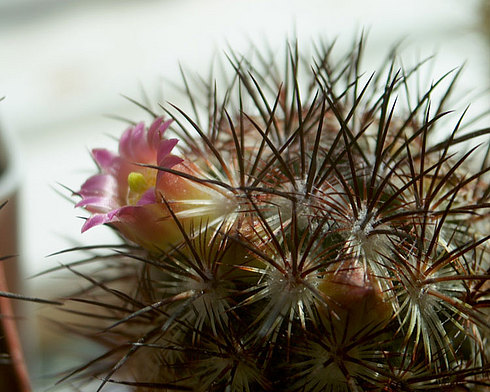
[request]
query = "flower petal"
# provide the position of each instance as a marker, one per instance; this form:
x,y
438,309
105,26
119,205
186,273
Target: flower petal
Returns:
x,y
156,131
100,184
134,146
164,149
126,141
148,197
106,160
169,161
100,219
98,204
95,220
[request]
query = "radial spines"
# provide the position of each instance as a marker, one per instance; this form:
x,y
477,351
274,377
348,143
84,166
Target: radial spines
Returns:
x,y
339,245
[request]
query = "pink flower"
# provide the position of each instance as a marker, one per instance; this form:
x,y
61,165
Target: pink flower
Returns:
x,y
128,196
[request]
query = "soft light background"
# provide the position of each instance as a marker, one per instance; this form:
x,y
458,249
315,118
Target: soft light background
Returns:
x,y
64,64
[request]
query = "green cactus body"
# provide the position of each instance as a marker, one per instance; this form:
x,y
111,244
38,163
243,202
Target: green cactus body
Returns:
x,y
350,253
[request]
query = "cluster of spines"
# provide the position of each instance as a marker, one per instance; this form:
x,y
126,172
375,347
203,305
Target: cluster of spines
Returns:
x,y
355,257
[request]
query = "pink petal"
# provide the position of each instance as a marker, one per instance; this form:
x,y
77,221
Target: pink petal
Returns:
x,y
98,204
141,151
148,197
106,160
100,184
100,193
126,141
100,219
168,162
95,220
134,145
127,213
156,131
165,147
153,131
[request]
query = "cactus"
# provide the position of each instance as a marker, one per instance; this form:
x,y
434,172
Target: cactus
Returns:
x,y
310,228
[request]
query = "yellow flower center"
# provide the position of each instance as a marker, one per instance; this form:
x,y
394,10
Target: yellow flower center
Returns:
x,y
138,184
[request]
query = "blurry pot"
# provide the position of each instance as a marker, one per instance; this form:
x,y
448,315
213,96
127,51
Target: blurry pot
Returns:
x,y
13,371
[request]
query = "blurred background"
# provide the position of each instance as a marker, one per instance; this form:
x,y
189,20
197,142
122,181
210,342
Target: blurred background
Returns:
x,y
64,66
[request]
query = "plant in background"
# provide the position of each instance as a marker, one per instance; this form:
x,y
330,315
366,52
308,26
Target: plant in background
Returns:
x,y
14,375
308,228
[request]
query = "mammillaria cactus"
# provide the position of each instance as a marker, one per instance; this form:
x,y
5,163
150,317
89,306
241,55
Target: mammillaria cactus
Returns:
x,y
306,228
